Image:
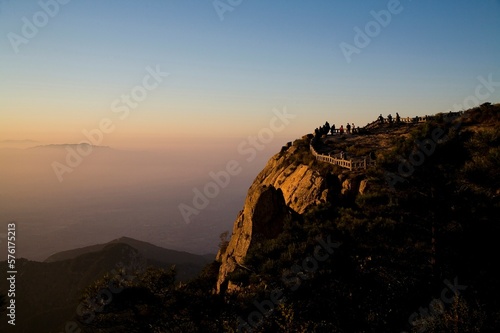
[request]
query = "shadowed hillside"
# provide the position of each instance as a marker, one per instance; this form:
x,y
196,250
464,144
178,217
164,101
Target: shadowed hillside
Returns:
x,y
49,292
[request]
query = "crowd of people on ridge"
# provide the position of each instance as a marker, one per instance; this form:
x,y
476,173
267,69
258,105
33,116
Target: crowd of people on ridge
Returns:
x,y
349,128
326,129
390,120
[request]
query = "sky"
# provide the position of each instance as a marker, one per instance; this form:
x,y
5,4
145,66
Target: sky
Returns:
x,y
181,89
229,66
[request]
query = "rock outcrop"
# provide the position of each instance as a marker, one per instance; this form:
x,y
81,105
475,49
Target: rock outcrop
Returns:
x,y
301,185
281,189
263,216
352,184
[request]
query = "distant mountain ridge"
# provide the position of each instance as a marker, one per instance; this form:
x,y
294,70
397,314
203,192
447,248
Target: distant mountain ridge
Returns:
x,y
147,250
69,145
51,290
187,264
19,141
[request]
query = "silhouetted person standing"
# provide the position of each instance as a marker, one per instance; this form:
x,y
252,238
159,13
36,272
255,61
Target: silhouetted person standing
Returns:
x,y
348,128
398,119
341,129
332,129
381,119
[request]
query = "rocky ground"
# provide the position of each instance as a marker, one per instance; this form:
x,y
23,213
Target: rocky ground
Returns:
x,y
379,138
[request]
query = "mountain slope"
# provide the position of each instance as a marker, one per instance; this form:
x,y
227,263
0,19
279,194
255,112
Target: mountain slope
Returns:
x,y
49,292
408,244
401,227
147,250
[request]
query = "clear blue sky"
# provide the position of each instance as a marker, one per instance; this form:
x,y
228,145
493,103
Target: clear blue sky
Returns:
x,y
227,76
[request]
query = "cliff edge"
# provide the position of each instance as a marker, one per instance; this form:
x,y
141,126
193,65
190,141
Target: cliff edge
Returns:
x,y
283,188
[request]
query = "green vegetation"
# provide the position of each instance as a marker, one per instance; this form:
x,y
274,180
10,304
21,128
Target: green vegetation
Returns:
x,y
303,156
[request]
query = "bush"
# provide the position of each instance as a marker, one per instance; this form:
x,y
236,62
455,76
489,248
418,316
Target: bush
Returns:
x,y
239,275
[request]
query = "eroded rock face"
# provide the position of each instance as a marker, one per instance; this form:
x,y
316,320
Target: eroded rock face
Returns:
x,y
364,186
281,189
352,185
262,217
301,185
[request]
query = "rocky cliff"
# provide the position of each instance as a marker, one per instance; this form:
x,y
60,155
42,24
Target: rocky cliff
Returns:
x,y
301,185
284,187
369,259
263,216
